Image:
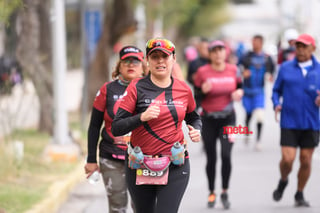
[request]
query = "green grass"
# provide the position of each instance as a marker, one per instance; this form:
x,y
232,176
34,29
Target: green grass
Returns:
x,y
15,198
24,183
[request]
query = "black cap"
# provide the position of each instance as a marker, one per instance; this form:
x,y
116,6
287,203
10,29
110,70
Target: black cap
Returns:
x,y
131,51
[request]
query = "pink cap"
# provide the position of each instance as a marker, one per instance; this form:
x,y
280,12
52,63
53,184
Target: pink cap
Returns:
x,y
216,43
306,39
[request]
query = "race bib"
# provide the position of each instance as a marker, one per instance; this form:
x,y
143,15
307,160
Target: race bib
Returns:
x,y
147,177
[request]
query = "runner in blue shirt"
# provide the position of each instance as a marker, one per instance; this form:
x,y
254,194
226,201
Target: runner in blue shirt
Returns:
x,y
298,84
255,64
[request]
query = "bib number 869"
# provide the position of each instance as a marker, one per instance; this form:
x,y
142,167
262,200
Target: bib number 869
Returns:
x,y
146,172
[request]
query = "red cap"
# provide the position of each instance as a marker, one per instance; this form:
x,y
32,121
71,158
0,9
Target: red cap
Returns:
x,y
306,39
216,43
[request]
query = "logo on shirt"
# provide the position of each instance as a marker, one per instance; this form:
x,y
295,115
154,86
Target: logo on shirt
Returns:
x,y
223,80
117,97
163,102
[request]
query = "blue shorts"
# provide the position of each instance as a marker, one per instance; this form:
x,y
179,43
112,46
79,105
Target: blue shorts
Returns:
x,y
253,102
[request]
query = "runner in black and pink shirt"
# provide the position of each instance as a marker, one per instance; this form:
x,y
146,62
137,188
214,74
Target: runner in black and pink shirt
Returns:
x,y
220,85
112,149
153,108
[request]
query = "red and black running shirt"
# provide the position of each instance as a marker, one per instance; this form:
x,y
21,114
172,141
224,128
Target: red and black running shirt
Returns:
x,y
223,83
104,108
157,135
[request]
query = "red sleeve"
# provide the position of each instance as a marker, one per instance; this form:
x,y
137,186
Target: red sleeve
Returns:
x,y
129,98
100,99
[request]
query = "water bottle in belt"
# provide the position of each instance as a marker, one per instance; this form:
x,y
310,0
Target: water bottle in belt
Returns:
x,y
136,158
177,152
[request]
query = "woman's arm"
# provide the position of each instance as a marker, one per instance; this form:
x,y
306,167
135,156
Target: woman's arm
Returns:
x,y
194,120
93,134
194,125
124,122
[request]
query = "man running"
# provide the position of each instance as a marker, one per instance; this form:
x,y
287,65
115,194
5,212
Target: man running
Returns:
x,y
298,84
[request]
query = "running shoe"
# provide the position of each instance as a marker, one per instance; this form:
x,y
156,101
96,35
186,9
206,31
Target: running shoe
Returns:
x,y
258,147
300,201
277,194
211,200
225,202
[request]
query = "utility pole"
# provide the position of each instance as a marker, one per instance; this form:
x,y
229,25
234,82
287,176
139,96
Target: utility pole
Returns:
x,y
62,148
59,72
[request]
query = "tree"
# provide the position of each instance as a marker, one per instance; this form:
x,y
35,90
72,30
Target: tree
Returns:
x,y
118,21
8,16
203,18
34,54
7,8
183,19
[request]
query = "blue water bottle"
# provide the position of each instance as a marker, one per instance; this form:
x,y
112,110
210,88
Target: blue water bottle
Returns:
x,y
177,152
136,158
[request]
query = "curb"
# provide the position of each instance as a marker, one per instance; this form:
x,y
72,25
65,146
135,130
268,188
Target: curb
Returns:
x,y
58,192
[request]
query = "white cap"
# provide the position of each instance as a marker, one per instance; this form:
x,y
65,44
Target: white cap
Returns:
x,y
291,34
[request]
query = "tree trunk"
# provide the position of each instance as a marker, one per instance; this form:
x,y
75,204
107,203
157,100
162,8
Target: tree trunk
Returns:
x,y
118,21
34,54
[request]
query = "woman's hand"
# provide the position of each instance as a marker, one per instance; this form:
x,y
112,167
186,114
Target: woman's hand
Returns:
x,y
89,168
194,134
152,112
205,87
237,95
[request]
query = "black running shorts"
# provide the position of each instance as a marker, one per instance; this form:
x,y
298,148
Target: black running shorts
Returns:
x,y
299,138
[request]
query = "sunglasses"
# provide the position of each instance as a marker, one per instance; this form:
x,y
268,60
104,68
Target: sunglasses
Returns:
x,y
160,42
133,61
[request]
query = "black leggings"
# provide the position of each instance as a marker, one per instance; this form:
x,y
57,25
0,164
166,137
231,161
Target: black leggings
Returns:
x,y
159,198
212,129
